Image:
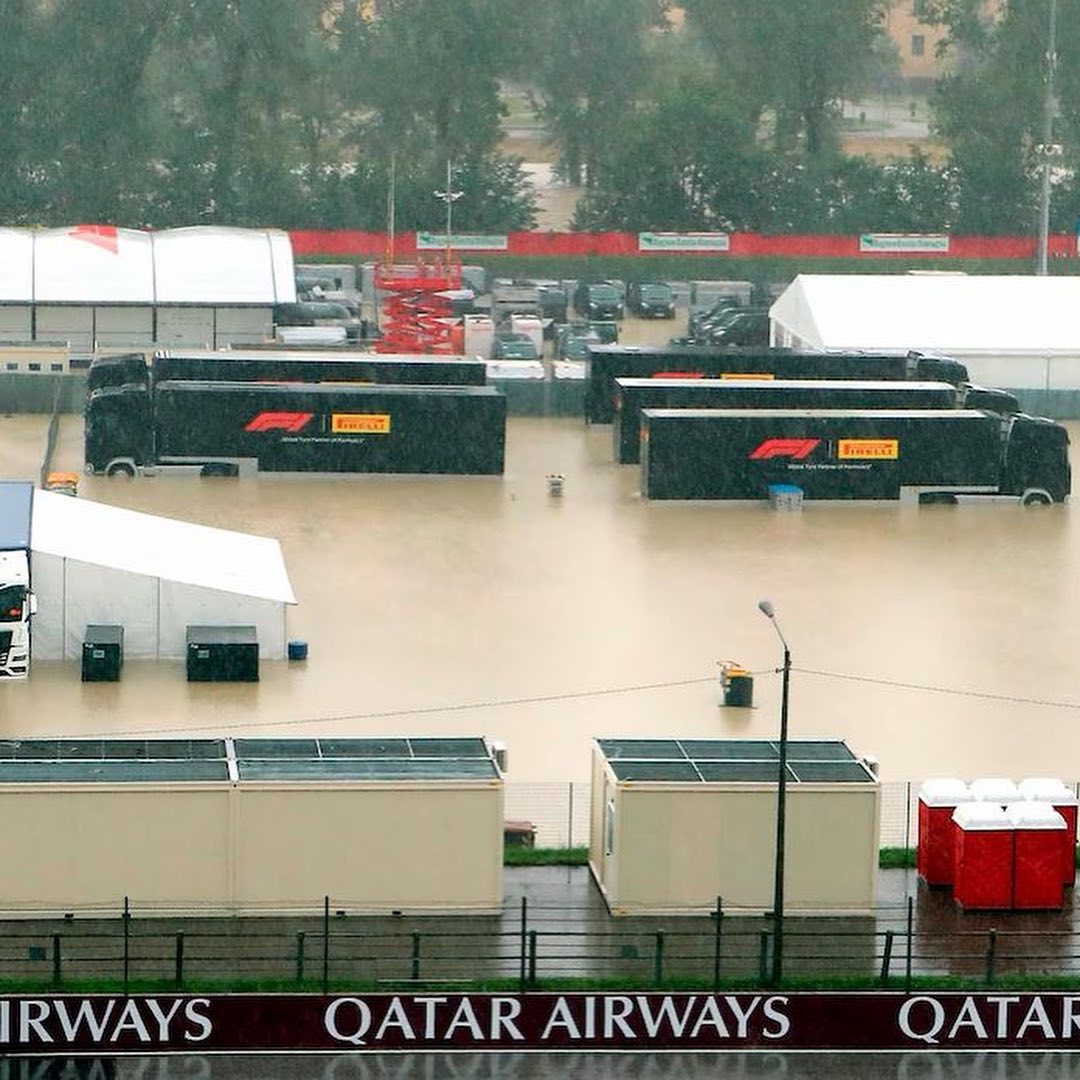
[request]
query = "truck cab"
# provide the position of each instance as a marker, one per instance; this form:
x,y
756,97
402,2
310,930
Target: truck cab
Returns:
x,y
17,602
17,605
1036,460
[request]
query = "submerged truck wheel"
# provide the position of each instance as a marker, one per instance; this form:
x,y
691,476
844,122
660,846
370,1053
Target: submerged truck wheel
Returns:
x,y
220,468
1035,497
120,468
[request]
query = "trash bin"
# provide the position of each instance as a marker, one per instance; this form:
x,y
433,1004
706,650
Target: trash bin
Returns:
x,y
785,496
738,686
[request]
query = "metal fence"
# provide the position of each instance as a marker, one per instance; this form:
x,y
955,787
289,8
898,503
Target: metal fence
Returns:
x,y
560,811
529,944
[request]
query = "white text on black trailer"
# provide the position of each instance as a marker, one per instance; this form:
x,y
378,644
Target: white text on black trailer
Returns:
x,y
911,454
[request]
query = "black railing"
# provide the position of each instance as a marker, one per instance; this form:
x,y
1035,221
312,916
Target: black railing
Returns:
x,y
530,945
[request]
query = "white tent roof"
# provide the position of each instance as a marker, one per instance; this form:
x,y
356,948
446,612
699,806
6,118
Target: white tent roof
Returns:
x,y
932,313
102,535
98,264
223,266
16,266
93,263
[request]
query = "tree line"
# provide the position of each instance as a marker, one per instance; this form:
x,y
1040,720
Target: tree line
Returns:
x,y
310,113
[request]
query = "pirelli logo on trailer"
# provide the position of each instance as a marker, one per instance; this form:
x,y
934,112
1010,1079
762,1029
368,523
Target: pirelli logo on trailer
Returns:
x,y
360,423
868,449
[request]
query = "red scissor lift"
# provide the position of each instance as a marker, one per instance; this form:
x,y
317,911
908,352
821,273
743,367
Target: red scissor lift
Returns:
x,y
416,319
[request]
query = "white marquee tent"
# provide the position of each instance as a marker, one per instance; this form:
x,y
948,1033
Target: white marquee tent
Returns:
x,y
94,563
102,285
1011,331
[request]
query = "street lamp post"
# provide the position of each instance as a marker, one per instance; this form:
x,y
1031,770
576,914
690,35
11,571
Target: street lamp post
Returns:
x,y
767,609
449,196
1047,150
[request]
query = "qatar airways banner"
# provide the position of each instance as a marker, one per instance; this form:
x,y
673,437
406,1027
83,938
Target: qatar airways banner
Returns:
x,y
102,1024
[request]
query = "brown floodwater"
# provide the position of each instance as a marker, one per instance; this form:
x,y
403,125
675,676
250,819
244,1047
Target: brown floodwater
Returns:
x,y
942,640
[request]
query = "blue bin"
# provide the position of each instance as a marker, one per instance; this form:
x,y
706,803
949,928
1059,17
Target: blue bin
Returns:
x,y
297,650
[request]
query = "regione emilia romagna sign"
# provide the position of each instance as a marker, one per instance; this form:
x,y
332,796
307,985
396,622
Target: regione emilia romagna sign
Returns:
x,y
660,241
903,242
427,241
45,1025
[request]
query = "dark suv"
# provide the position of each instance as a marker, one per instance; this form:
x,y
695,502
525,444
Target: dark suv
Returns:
x,y
651,300
598,300
747,327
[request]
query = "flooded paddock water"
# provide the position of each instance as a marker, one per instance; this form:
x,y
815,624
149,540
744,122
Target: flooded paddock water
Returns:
x,y
943,640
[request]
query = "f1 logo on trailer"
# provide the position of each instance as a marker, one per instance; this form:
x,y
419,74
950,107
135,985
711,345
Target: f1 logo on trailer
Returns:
x,y
279,421
792,448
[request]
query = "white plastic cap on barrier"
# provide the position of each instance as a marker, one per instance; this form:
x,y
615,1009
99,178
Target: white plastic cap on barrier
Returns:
x,y
1047,789
944,792
1034,815
985,816
994,789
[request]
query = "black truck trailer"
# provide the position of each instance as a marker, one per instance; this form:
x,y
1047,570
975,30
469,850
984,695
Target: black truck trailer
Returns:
x,y
304,367
929,455
633,395
606,363
223,428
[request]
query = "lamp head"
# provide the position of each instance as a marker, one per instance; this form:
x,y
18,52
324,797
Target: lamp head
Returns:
x,y
766,608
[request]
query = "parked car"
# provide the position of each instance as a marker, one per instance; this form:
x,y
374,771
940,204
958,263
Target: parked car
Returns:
x,y
553,303
722,306
319,313
510,345
749,327
598,300
651,299
572,342
707,331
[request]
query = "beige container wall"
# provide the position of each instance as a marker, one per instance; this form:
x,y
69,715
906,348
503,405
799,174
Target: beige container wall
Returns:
x,y
75,846
370,848
598,859
681,848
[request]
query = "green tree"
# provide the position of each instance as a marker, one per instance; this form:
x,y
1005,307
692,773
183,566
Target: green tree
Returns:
x,y
590,66
794,61
681,163
991,109
420,86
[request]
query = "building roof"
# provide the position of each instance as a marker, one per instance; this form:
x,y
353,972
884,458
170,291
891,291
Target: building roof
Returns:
x,y
732,761
102,535
103,264
111,761
931,312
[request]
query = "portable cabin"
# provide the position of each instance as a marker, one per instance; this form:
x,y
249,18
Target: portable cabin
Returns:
x,y
677,823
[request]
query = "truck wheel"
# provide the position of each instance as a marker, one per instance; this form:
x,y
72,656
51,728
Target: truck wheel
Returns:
x,y
1035,497
220,468
120,468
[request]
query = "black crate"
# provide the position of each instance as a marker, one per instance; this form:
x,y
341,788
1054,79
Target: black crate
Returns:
x,y
102,653
222,654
